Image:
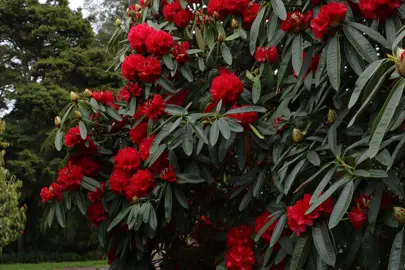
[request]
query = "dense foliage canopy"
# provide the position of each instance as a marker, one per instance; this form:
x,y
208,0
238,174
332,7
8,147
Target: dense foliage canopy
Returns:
x,y
248,135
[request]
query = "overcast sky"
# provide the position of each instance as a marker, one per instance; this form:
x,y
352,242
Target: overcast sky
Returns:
x,y
74,4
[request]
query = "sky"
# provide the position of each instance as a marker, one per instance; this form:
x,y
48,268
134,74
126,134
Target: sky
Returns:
x,y
74,4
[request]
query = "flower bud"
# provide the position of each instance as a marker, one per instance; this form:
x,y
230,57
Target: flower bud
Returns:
x,y
88,93
256,71
220,38
297,135
138,7
57,121
73,96
400,61
332,115
215,15
235,24
118,23
78,115
135,200
399,214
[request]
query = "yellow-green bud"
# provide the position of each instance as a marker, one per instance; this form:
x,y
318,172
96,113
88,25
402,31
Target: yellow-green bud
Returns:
x,y
57,121
73,96
235,24
88,93
118,23
297,135
78,115
399,214
220,38
332,115
400,61
135,200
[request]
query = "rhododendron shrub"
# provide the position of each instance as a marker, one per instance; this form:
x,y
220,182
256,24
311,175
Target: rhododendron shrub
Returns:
x,y
246,135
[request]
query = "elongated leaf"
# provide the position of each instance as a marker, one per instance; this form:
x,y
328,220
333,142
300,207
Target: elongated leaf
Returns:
x,y
270,220
187,141
278,230
255,29
186,72
384,118
153,219
292,176
259,183
175,110
398,39
284,67
180,197
214,133
355,61
301,251
113,113
245,200
188,179
256,89
321,186
340,208
224,128
297,50
168,202
375,204
158,139
324,167
51,213
247,109
83,130
313,157
91,181
59,140
393,183
121,215
333,61
226,53
200,133
323,243
360,43
272,26
166,84
397,255
371,33
279,9
60,214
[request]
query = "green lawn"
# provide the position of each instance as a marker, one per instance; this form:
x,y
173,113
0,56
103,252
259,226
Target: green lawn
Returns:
x,y
50,266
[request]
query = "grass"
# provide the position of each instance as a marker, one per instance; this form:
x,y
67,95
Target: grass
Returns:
x,y
50,266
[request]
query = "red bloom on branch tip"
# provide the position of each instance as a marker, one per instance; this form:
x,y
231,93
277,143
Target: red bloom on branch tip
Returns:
x,y
244,118
261,221
330,16
141,184
90,167
168,174
357,217
72,137
146,69
138,133
239,236
70,177
170,10
128,91
159,43
179,52
119,180
153,108
53,192
266,53
96,214
95,196
240,258
250,14
127,159
379,9
144,147
183,18
227,86
296,21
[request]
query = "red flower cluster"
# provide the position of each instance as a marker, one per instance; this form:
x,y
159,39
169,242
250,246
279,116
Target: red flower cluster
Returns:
x,y
137,37
175,14
379,9
168,174
140,185
261,221
249,14
70,177
96,214
127,160
240,255
144,147
146,69
227,86
298,221
159,43
90,167
244,118
296,21
179,52
358,216
128,91
313,65
104,97
138,133
119,181
95,196
154,107
330,16
72,138
53,192
279,124
262,54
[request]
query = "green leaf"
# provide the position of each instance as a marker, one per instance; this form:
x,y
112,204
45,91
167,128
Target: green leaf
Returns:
x,y
292,176
256,132
132,107
301,251
313,157
245,200
327,194
297,50
259,182
186,72
166,84
145,209
355,61
323,243
256,89
113,113
59,140
360,43
60,214
80,202
375,203
175,110
279,9
247,109
214,133
199,37
284,67
51,213
224,128
255,29
384,118
180,198
332,140
270,220
209,36
371,33
393,183
194,51
155,155
168,61
188,140
272,26
309,180
121,215
267,256
340,208
153,219
397,255
333,61
91,181
158,139
183,178
201,64
83,130
235,127
168,203
94,103
87,186
226,53
399,38
234,36
200,133
278,230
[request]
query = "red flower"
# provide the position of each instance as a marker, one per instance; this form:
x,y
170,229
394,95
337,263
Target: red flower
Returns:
x,y
178,98
227,86
146,69
144,147
179,52
330,16
70,177
127,160
220,7
298,221
210,107
138,133
160,163
240,258
266,53
183,17
313,65
261,221
239,236
128,91
244,118
154,107
250,14
296,21
141,184
357,217
170,10
96,214
379,9
137,37
53,192
72,137
168,174
363,202
278,123
159,43
90,167
119,180
238,6
87,147
95,196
